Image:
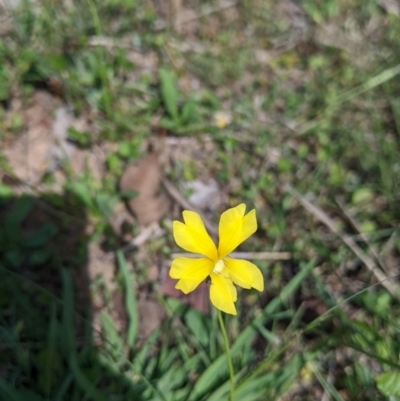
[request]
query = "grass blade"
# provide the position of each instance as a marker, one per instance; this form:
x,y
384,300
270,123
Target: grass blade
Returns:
x,y
64,388
113,340
169,93
328,387
219,367
379,79
130,300
68,329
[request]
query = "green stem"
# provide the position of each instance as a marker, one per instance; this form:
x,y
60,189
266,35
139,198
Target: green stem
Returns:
x,y
228,356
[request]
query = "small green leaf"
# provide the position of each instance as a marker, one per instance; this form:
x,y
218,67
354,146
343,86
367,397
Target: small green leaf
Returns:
x,y
113,163
362,195
42,235
105,203
169,93
81,138
111,335
82,191
389,383
20,211
189,112
14,257
4,83
313,11
368,226
39,257
128,149
5,191
128,194
284,165
169,124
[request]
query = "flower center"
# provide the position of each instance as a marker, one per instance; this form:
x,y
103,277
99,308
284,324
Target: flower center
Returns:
x,y
219,266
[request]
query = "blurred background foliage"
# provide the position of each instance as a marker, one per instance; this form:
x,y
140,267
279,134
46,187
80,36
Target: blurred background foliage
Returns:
x,y
292,107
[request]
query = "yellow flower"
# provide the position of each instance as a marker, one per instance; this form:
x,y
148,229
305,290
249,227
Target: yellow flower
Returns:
x,y
234,228
222,119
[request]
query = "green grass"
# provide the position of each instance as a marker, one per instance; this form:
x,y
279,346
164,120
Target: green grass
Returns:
x,y
307,109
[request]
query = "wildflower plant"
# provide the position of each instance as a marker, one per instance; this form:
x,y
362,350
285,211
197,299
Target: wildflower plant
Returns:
x,y
215,263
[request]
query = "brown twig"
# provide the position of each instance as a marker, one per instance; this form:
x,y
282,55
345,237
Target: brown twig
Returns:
x,y
244,255
152,231
175,194
325,219
222,6
354,223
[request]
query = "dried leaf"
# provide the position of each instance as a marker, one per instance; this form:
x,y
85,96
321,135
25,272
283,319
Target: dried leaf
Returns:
x,y
29,154
144,177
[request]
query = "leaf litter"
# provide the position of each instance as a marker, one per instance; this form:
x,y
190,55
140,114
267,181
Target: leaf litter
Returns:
x,y
144,177
28,155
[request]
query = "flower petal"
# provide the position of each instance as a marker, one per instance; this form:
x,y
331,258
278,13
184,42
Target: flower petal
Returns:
x,y
193,237
234,228
191,272
244,273
187,286
223,293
